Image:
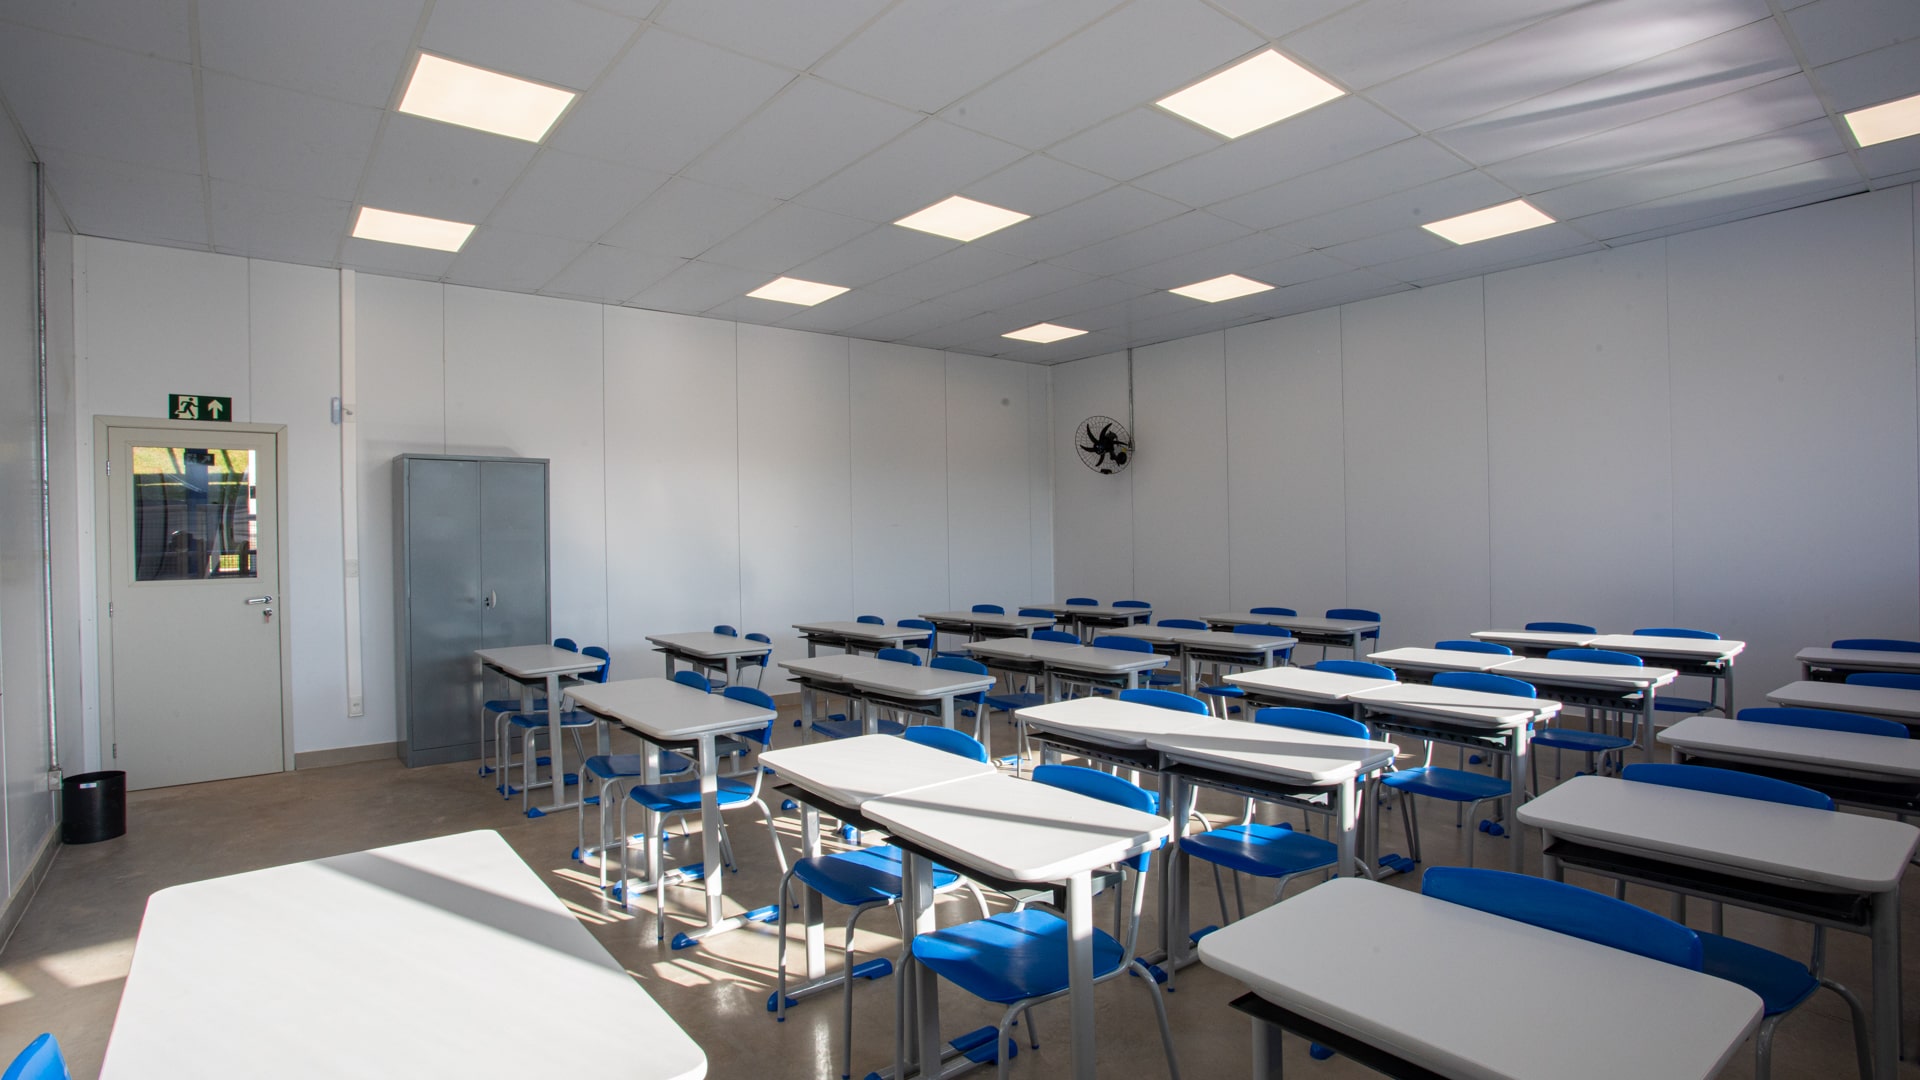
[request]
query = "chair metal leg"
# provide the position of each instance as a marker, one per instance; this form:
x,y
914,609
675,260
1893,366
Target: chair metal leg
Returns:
x,y
1862,1040
1160,1014
1763,1048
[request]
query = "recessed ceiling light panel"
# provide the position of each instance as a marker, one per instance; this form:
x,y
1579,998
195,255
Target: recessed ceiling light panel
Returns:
x,y
1224,287
789,290
456,93
1885,123
963,219
1044,333
391,227
1263,89
1512,217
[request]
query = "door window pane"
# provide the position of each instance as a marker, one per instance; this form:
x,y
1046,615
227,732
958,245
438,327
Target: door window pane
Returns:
x,y
193,514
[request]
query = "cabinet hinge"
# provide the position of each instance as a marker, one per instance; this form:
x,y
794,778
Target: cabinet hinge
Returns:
x,y
109,609
116,751
109,466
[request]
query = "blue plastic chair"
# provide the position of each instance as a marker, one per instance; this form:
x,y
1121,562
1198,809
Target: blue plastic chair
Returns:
x,y
870,620
1061,636
898,656
760,665
1601,748
1219,693
1675,703
1360,668
1109,641
533,727
1826,720
1491,648
1468,789
1877,644
726,631
1018,959
1562,628
1165,699
41,1060
1566,909
498,706
842,725
1892,680
1082,601
1183,624
1606,656
992,609
1035,613
927,642
972,705
1781,982
1287,611
1358,615
1137,619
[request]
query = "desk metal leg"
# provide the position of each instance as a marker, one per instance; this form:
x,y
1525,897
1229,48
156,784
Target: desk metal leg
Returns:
x,y
1887,1031
556,750
666,658
1646,723
926,984
1080,971
1266,1051
714,868
1348,809
946,716
1176,920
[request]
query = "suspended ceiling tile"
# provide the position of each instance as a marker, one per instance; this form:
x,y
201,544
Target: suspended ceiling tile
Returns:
x,y
1135,143
1399,211
697,287
282,226
443,171
1445,273
1329,292
1766,108
1465,260
496,258
1191,231
1298,269
1123,316
92,100
155,28
1890,159
925,54
127,202
847,311
685,218
1832,30
812,130
572,197
1278,18
931,161
785,238
1062,306
1037,279
556,41
610,275
1405,164
968,264
1734,61
908,321
1113,212
1188,323
665,101
1233,257
1372,42
959,333
1037,184
397,259
1770,189
1341,129
1376,251
247,138
1810,141
1584,43
1135,56
351,50
1740,211
792,35
1872,78
878,253
1058,352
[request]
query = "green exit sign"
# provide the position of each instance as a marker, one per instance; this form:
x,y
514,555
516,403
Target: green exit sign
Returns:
x,y
199,407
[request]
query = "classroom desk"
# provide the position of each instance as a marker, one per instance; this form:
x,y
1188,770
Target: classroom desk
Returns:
x,y
1885,701
1596,686
1837,664
1194,648
929,691
825,675
708,650
1021,657
1534,642
976,625
1529,1007
529,666
1423,664
1857,770
383,961
1011,833
1309,629
855,636
669,716
1707,658
1832,869
1094,617
1304,687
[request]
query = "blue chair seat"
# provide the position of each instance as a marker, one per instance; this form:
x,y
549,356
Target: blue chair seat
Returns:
x,y
1435,782
862,876
683,796
1585,742
842,728
1224,690
1666,703
627,766
1012,956
573,718
513,705
1261,850
1781,981
1010,702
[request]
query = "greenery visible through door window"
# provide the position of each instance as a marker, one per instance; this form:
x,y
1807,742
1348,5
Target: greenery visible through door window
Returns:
x,y
193,514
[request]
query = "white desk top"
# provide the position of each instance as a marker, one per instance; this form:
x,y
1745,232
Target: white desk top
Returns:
x,y
1819,849
661,709
1646,645
1309,623
1501,711
1018,649
1159,635
530,661
1539,639
1304,683
391,961
1583,673
710,646
1099,611
1266,750
1440,659
1108,721
1228,641
1018,830
1860,659
912,681
861,631
1003,620
1088,660
834,668
1532,994
857,770
1885,701
1843,753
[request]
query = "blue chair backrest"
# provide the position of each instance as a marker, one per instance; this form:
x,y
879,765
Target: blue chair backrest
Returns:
x,y
1277,611
1677,631
1878,644
1166,699
1484,682
992,609
919,624
759,698
1325,723
1470,645
1597,656
1035,613
1061,636
947,739
1826,720
1892,680
1259,628
1357,614
600,673
1131,603
694,679
971,667
1129,644
726,631
1725,782
764,640
871,620
565,643
1082,601
41,1060
1183,624
1566,909
1103,786
1357,667
1562,627
899,656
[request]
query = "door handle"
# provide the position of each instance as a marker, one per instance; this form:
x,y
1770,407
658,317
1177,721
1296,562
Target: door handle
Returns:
x,y
259,599
492,599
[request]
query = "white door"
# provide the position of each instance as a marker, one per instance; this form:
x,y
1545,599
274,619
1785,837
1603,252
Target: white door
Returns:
x,y
194,605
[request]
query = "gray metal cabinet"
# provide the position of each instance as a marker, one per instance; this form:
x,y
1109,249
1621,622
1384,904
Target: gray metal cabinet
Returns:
x,y
471,571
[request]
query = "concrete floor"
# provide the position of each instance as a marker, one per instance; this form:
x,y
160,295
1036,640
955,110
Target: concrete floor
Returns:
x,y
64,967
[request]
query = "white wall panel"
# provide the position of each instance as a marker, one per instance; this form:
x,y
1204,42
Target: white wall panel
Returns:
x,y
1794,435
1579,434
898,471
673,499
1092,514
989,452
524,378
1416,449
1180,477
795,488
1286,464
1040,483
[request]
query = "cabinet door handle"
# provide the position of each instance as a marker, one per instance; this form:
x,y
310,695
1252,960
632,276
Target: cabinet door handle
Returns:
x,y
259,599
492,599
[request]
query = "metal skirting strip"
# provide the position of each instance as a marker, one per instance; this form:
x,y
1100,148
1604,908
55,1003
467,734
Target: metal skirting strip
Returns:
x,y
346,755
16,907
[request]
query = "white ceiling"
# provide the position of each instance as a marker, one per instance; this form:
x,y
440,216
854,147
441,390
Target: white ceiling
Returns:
x,y
719,143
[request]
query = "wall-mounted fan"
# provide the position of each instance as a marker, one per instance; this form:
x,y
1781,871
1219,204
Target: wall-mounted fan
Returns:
x,y
1103,443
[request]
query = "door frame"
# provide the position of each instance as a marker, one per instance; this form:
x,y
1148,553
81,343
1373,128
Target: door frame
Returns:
x,y
103,562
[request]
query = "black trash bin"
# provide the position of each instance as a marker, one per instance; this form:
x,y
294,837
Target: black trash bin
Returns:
x,y
93,807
